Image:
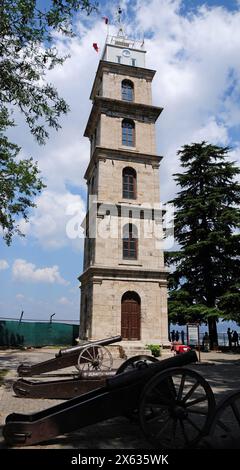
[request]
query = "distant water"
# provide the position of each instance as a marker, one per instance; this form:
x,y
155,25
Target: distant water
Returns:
x,y
222,327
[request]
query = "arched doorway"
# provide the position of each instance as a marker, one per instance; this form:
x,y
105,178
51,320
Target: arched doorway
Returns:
x,y
130,316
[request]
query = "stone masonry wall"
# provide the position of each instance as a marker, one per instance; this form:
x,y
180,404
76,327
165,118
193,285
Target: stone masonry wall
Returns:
x,y
107,297
111,135
112,88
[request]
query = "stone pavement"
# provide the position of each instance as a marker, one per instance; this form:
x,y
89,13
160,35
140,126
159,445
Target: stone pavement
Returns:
x,y
221,370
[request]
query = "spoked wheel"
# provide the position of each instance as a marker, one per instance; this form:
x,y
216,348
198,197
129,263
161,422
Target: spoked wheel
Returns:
x,y
95,357
136,363
176,408
225,427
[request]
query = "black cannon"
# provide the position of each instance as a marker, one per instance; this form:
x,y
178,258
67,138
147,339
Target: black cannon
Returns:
x,y
79,384
92,355
174,406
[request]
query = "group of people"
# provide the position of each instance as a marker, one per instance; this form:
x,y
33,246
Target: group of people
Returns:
x,y
175,336
232,338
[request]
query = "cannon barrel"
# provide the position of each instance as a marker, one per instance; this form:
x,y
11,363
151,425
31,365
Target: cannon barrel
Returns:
x,y
102,342
64,358
176,361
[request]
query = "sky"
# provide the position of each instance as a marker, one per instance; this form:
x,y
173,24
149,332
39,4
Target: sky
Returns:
x,y
194,48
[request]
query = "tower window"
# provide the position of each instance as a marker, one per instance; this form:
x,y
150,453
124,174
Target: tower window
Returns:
x,y
129,180
130,241
127,90
119,59
134,62
128,132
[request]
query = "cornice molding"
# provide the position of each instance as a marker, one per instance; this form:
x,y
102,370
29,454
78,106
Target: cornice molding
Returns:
x,y
118,108
100,273
103,153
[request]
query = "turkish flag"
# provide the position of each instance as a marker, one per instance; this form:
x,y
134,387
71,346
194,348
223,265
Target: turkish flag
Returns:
x,y
95,46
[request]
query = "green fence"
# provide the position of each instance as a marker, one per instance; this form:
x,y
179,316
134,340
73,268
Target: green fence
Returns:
x,y
36,334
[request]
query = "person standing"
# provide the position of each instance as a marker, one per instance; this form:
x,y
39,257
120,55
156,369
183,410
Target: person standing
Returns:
x,y
206,343
173,337
235,339
229,334
182,336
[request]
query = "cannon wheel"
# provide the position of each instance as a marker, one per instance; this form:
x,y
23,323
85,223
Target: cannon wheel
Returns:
x,y
95,357
225,427
136,363
176,407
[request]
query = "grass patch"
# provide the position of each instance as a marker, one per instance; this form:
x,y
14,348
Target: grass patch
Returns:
x,y
3,372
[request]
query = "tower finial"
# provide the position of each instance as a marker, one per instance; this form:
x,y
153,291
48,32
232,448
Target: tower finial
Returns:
x,y
119,22
119,16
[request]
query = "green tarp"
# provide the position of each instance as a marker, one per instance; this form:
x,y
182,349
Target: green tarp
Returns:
x,y
37,334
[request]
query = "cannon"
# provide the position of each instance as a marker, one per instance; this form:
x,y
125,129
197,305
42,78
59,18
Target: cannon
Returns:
x,y
84,382
92,355
174,406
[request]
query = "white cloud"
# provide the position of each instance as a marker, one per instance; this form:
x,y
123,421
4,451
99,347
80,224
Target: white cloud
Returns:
x,y
28,272
3,264
20,297
211,132
53,213
64,301
197,81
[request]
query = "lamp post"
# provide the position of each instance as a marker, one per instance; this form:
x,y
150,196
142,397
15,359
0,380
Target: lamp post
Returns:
x,y
20,319
52,316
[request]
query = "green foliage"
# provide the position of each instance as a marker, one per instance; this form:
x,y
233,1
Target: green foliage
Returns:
x,y
27,52
206,221
19,183
3,372
229,303
155,349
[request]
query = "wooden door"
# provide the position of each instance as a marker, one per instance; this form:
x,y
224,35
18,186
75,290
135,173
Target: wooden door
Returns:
x,y
130,319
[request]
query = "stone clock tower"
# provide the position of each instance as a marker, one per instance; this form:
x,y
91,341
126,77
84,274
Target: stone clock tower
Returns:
x,y
123,285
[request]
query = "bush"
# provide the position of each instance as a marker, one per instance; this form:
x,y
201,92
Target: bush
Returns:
x,y
155,349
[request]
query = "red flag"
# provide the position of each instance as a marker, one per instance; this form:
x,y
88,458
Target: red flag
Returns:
x,y
95,46
105,18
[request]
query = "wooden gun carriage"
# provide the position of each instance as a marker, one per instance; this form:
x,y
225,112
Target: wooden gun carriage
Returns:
x,y
174,406
91,355
82,382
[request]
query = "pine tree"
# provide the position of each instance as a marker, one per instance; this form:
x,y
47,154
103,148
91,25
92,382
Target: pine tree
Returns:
x,y
207,266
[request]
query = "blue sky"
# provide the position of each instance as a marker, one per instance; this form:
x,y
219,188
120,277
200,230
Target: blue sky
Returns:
x,y
194,47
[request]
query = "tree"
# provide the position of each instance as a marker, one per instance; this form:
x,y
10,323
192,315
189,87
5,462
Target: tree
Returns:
x,y
19,183
206,268
229,303
27,52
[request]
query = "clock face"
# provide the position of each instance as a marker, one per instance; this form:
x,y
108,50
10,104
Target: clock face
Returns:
x,y
126,53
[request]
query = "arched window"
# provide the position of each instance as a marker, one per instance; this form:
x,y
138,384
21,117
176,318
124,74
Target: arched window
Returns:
x,y
128,132
129,180
130,241
127,90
